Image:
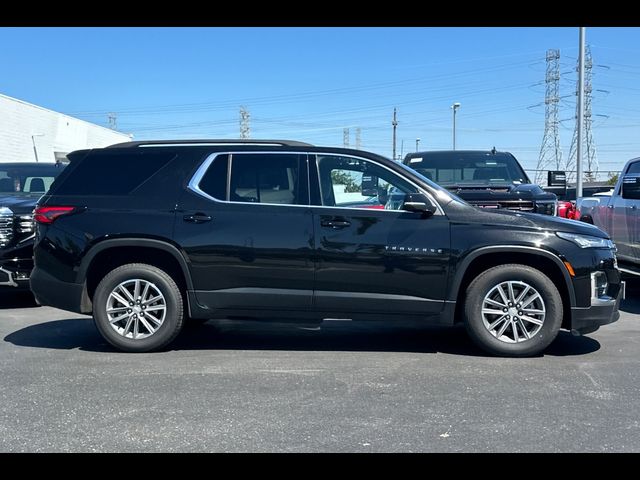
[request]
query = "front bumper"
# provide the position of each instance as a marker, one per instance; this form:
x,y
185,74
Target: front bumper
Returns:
x,y
15,273
589,319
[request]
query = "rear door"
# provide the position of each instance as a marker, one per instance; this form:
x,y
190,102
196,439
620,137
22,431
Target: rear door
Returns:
x,y
246,227
624,220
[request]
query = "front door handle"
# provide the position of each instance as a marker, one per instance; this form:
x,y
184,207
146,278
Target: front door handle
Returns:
x,y
197,218
335,223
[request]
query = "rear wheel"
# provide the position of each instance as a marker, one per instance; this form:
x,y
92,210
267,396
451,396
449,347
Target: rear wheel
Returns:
x,y
138,308
513,310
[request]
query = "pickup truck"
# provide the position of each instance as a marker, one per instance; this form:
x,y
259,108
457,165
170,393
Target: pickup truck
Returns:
x,y
486,179
618,214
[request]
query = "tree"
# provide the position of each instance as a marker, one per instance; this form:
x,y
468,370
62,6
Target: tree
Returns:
x,y
339,177
613,179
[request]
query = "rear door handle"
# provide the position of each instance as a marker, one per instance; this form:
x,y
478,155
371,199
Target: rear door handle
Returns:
x,y
335,223
197,218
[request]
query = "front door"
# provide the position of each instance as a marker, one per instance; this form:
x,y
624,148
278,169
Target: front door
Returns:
x,y
246,227
373,257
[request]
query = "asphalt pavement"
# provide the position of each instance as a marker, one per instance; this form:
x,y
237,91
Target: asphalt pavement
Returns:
x,y
347,387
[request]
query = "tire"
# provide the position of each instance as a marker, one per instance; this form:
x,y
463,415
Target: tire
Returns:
x,y
164,317
495,333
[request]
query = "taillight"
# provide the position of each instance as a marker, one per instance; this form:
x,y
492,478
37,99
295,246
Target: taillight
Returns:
x,y
47,215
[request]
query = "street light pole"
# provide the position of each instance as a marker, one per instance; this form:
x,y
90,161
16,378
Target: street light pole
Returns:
x,y
33,141
455,108
417,143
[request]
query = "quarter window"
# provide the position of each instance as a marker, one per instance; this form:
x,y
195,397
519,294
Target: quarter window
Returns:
x,y
358,183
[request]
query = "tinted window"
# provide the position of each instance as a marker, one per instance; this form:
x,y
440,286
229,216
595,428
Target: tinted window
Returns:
x,y
357,183
214,181
266,178
28,178
448,168
634,168
108,173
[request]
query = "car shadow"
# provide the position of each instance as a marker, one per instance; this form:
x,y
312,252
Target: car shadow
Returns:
x,y
233,335
16,299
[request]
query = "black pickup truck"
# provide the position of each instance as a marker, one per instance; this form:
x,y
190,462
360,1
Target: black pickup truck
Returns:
x,y
21,185
487,179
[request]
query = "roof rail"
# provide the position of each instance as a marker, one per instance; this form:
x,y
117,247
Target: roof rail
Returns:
x,y
205,142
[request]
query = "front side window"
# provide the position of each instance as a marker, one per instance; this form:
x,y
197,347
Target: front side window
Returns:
x,y
256,178
357,183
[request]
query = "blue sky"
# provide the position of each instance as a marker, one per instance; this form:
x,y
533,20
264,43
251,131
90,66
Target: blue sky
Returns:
x,y
310,83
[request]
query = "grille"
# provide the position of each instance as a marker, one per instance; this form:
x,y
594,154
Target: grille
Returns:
x,y
6,226
508,204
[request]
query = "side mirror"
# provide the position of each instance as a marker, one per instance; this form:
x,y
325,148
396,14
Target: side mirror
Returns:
x,y
418,203
631,187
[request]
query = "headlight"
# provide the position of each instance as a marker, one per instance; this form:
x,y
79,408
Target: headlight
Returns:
x,y
547,208
586,241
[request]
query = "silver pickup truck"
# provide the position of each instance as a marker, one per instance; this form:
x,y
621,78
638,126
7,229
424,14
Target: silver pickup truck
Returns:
x,y
618,213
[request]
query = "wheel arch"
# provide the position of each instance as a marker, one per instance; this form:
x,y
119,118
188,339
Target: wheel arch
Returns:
x,y
479,260
111,253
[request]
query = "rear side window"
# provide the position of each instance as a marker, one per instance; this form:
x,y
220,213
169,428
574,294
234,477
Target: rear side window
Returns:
x,y
272,178
107,172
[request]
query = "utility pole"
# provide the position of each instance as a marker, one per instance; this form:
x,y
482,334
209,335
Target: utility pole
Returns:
x,y
550,153
358,143
245,129
580,118
455,108
401,150
587,144
395,125
113,121
417,143
345,137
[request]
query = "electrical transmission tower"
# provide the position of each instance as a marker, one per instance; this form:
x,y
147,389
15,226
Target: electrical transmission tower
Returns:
x,y
394,123
113,121
245,129
591,163
358,138
550,153
345,138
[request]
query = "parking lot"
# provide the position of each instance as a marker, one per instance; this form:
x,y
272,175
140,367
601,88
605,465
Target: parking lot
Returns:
x,y
348,387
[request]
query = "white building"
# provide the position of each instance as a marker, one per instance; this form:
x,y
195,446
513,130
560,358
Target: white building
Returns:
x,y
30,133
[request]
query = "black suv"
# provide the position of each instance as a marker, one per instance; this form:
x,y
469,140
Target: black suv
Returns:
x,y
21,185
145,235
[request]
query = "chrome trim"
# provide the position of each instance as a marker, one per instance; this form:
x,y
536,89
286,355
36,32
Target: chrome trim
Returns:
x,y
10,282
630,272
194,183
603,300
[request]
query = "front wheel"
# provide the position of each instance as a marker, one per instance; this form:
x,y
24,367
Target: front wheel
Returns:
x,y
138,308
513,310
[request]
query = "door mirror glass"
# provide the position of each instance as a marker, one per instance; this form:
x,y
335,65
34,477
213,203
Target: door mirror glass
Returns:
x,y
631,187
418,203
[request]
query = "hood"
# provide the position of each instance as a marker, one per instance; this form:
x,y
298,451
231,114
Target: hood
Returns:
x,y
524,221
499,191
20,204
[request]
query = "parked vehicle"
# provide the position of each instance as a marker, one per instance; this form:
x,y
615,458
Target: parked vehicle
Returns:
x,y
616,212
486,179
21,185
145,235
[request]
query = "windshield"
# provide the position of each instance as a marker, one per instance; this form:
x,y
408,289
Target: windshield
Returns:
x,y
472,168
441,193
27,178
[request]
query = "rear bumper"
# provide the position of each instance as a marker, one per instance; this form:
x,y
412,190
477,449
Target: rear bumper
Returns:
x,y
50,291
590,319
